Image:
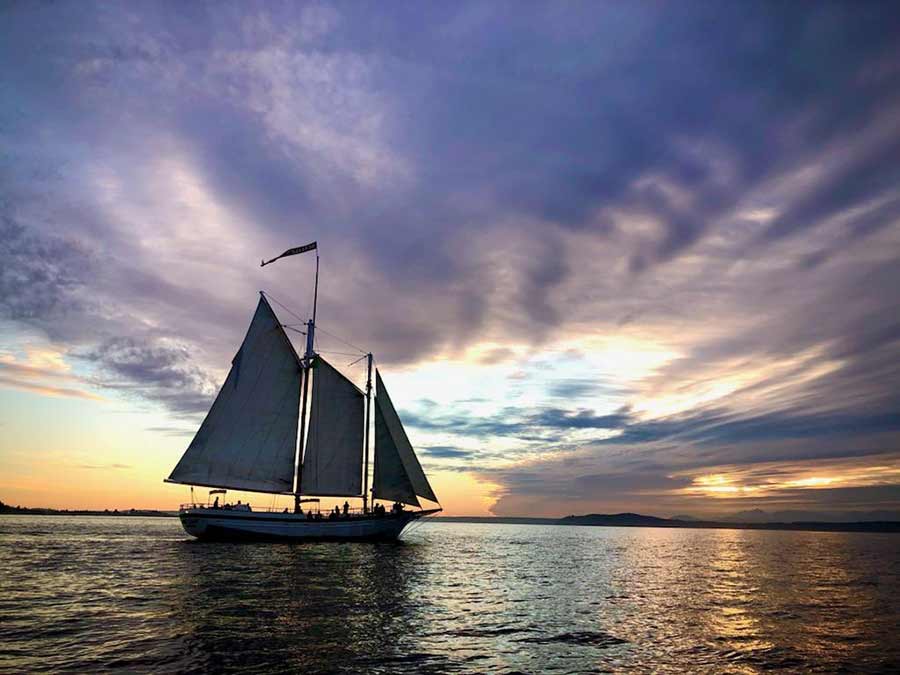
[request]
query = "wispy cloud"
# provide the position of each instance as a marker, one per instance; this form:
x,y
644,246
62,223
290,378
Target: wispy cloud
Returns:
x,y
103,467
45,378
172,431
47,390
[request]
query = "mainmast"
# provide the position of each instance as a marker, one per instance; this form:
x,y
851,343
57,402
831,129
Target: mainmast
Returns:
x,y
307,362
304,393
307,373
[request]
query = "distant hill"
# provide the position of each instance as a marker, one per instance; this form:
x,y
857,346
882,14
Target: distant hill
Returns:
x,y
749,516
638,520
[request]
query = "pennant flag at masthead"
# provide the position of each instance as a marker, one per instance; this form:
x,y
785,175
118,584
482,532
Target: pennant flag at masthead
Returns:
x,y
291,251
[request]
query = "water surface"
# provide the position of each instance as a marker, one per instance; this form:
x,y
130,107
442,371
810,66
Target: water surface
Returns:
x,y
137,594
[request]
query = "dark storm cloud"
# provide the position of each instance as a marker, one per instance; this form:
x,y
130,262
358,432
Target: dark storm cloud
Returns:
x,y
720,178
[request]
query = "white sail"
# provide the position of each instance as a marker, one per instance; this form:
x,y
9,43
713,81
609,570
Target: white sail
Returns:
x,y
249,437
332,464
398,474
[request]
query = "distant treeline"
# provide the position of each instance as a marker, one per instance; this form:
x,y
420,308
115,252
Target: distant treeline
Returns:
x,y
24,510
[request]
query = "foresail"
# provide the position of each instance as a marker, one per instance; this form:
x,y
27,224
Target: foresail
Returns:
x,y
390,480
249,437
398,474
332,464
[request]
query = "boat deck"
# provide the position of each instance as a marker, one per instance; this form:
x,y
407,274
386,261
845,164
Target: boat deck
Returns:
x,y
309,514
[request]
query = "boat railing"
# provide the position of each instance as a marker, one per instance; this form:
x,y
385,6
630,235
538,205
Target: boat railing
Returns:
x,y
263,509
231,507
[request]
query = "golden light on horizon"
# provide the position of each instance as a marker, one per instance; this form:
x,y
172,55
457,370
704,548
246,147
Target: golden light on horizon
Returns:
x,y
772,478
720,485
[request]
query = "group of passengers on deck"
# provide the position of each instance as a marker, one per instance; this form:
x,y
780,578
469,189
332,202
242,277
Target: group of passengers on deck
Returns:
x,y
337,513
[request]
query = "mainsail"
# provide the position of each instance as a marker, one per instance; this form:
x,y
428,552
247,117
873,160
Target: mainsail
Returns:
x,y
249,437
332,464
398,474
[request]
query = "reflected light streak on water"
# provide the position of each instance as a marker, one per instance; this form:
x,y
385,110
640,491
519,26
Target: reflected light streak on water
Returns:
x,y
136,594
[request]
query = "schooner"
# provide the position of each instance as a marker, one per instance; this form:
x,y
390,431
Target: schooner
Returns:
x,y
249,441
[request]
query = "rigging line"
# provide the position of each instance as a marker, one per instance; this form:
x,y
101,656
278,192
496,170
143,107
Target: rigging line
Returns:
x,y
349,344
296,330
284,307
329,351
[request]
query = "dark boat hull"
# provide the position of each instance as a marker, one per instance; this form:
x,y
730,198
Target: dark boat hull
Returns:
x,y
232,525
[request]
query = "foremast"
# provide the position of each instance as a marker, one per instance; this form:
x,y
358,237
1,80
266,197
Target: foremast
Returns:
x,y
365,492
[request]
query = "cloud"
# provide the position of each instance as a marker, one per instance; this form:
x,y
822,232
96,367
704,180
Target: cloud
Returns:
x,y
443,452
172,431
47,390
43,374
159,370
715,213
41,277
103,466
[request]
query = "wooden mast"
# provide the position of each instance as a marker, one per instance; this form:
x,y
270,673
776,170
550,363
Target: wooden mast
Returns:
x,y
368,418
304,377
307,372
306,365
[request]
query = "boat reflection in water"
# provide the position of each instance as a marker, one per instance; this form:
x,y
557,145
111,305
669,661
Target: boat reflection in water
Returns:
x,y
310,608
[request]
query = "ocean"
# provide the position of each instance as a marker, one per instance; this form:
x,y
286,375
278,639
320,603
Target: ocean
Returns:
x,y
93,594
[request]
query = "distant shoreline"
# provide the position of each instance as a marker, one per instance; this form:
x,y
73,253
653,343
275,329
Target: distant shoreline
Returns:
x,y
592,520
637,520
7,510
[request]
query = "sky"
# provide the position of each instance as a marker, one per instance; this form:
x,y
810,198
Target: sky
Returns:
x,y
609,256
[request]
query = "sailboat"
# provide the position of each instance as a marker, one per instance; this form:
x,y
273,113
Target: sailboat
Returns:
x,y
249,442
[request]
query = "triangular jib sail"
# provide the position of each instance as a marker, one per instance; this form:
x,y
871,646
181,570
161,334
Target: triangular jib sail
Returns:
x,y
332,464
249,437
398,474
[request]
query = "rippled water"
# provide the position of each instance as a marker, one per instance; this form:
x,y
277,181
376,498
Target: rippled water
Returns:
x,y
137,594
